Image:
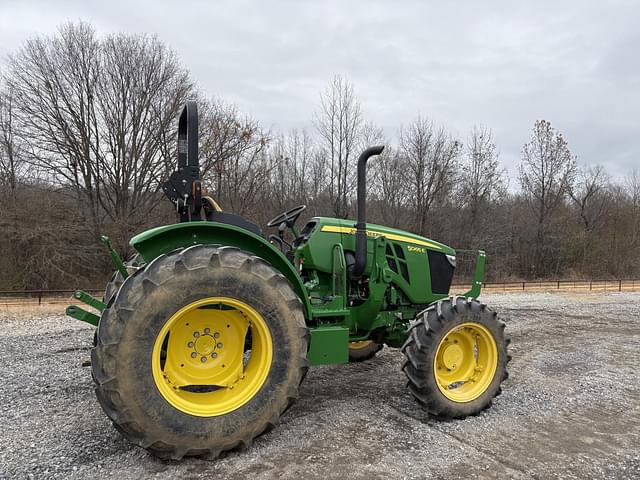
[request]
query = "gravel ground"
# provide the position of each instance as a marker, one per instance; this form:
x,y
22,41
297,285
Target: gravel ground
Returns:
x,y
571,408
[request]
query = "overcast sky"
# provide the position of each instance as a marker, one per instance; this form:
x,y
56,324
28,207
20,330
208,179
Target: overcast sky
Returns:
x,y
500,64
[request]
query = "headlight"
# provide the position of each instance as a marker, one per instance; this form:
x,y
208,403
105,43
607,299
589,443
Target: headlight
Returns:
x,y
452,260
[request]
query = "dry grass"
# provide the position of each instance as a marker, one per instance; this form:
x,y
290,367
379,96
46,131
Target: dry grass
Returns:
x,y
24,307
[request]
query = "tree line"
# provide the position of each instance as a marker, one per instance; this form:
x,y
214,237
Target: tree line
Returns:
x,y
87,137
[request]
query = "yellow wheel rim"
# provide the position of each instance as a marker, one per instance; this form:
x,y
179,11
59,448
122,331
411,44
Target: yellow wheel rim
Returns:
x,y
466,362
212,356
360,344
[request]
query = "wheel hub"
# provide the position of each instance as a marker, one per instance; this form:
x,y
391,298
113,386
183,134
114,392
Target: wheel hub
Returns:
x,y
452,356
207,367
205,343
357,345
466,361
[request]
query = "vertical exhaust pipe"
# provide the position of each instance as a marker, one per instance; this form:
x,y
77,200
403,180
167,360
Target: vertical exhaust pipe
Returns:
x,y
361,224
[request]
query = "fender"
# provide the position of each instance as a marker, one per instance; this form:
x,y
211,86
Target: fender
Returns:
x,y
157,241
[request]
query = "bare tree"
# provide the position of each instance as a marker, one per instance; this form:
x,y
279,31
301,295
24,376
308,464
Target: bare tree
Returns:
x,y
632,189
87,135
141,89
589,195
546,173
233,156
300,149
370,135
318,191
431,158
291,158
392,188
339,123
11,161
482,179
95,113
10,178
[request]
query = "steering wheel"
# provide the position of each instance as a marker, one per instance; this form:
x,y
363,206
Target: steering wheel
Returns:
x,y
289,217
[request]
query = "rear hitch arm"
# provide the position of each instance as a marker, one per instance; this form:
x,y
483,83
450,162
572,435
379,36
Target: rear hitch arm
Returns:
x,y
115,257
84,297
82,314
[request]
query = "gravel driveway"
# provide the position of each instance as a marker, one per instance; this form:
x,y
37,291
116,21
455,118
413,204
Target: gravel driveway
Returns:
x,y
571,408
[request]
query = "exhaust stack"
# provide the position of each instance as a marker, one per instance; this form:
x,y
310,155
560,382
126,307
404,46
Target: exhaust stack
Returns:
x,y
361,224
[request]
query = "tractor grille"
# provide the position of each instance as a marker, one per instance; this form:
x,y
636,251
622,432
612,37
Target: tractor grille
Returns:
x,y
396,260
441,272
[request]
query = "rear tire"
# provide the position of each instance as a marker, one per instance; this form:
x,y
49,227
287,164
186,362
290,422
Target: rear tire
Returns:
x,y
116,281
114,285
453,317
123,361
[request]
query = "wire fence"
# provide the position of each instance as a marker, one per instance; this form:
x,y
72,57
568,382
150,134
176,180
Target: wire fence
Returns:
x,y
63,297
41,297
617,285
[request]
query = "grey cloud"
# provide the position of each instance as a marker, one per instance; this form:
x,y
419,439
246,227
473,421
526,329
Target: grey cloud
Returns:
x,y
502,64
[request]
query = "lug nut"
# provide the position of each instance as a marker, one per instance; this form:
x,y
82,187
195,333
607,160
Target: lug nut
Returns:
x,y
216,335
206,330
194,354
203,359
214,355
219,345
196,334
190,344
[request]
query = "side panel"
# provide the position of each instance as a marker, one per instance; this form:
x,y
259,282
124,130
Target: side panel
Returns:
x,y
160,240
406,253
329,345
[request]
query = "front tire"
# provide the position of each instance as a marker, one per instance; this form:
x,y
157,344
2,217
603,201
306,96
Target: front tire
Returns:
x,y
456,357
200,352
363,350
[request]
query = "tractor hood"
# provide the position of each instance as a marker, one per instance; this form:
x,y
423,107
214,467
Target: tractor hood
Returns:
x,y
338,225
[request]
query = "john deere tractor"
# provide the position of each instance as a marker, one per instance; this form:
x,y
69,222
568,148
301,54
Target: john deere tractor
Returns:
x,y
206,335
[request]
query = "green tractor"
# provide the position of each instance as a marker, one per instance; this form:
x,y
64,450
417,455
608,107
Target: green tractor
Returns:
x,y
205,337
